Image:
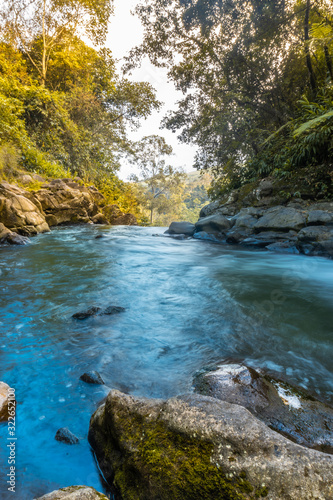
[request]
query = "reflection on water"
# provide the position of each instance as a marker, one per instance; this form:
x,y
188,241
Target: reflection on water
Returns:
x,y
189,304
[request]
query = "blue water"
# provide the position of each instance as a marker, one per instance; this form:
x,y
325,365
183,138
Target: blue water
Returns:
x,y
188,304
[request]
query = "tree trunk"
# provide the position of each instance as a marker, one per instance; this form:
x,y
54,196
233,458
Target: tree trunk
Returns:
x,y
151,215
328,62
312,77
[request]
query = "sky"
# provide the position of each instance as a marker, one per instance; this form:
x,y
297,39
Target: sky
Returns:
x,y
125,32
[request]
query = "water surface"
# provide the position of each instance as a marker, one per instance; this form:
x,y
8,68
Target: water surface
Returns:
x,y
188,304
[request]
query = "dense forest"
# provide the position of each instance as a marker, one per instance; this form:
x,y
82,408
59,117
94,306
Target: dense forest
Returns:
x,y
257,83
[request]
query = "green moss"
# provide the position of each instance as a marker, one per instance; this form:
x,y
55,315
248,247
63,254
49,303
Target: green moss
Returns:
x,y
262,492
150,462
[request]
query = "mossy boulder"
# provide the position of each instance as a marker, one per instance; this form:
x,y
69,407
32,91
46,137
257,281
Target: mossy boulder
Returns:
x,y
195,446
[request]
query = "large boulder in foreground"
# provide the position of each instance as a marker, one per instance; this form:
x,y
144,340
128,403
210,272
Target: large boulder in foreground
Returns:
x,y
74,493
195,446
283,408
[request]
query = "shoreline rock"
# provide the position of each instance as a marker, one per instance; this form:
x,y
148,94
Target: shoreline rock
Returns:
x,y
58,202
293,227
195,446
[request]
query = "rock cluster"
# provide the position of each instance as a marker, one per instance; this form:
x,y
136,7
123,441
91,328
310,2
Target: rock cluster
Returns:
x,y
294,227
61,201
195,446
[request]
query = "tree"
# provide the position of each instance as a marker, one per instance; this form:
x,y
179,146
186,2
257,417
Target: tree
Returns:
x,y
242,67
43,24
160,182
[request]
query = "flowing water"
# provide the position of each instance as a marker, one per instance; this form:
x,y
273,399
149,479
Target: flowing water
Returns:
x,y
188,304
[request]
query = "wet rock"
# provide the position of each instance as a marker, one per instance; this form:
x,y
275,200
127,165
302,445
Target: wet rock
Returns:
x,y
237,235
262,240
216,237
4,388
113,310
99,236
92,377
316,240
283,408
92,311
195,446
64,435
74,493
213,223
281,219
283,247
184,228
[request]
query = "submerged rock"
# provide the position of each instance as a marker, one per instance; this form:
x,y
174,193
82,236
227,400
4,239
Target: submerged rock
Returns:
x,y
113,310
282,407
92,377
64,435
92,311
195,446
74,493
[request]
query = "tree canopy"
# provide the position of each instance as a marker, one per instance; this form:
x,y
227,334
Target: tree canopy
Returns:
x,y
242,67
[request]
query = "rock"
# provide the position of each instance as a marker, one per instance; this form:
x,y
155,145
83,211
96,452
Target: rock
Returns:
x,y
4,233
195,446
92,377
317,217
99,236
113,310
265,188
216,237
92,311
316,240
213,223
185,228
117,218
236,236
244,221
179,236
283,408
4,388
209,209
26,179
74,493
283,247
262,240
63,204
281,219
64,435
99,219
18,213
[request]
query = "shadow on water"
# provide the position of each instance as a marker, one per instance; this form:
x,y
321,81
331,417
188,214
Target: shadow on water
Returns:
x,y
188,304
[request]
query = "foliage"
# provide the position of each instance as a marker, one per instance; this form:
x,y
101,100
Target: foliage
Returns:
x,y
160,183
242,68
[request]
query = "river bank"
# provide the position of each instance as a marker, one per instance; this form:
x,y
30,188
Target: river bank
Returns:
x,y
262,218
56,202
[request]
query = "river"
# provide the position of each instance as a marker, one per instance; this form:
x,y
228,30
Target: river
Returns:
x,y
189,304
